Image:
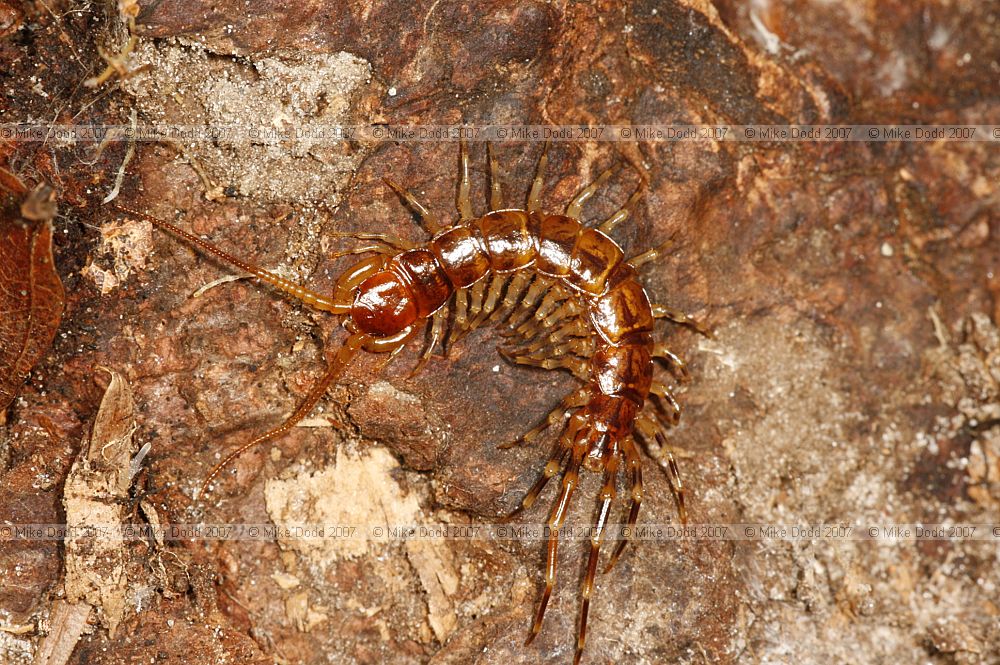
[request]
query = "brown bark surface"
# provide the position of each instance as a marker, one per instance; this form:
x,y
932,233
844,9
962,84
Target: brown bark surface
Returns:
x,y
853,288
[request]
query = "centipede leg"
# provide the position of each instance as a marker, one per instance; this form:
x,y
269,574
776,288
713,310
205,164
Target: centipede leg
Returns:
x,y
578,367
427,220
496,194
551,468
633,466
523,325
553,343
529,304
536,184
649,255
476,293
343,290
574,207
569,308
676,365
570,479
515,290
575,399
664,393
461,316
677,316
364,249
496,287
464,201
392,242
533,323
674,475
437,329
606,498
657,449
608,225
560,450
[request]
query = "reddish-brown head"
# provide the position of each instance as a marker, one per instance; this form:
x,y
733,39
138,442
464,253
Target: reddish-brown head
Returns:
x,y
383,305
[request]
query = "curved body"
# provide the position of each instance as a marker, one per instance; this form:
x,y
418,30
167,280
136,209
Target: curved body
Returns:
x,y
571,300
416,283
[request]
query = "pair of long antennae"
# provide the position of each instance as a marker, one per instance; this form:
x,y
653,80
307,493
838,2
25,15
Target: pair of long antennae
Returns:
x,y
354,342
311,298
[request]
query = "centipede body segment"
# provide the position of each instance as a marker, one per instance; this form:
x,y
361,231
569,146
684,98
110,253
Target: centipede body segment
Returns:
x,y
563,294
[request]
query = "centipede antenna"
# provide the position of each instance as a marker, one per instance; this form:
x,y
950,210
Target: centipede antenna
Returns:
x,y
301,293
333,370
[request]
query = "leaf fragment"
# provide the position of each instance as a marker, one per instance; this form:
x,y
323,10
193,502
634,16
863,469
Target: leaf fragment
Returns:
x,y
31,293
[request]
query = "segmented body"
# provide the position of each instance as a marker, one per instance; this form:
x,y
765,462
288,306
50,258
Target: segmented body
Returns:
x,y
569,299
581,263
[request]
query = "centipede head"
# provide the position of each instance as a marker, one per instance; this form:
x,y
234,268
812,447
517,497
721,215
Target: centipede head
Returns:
x,y
383,305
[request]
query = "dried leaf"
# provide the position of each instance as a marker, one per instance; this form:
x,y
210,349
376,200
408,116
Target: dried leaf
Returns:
x,y
94,498
68,622
31,293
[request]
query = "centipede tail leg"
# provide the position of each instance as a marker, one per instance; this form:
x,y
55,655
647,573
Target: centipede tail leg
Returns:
x,y
633,466
605,499
570,480
333,370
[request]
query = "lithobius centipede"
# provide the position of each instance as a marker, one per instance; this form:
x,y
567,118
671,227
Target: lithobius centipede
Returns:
x,y
569,299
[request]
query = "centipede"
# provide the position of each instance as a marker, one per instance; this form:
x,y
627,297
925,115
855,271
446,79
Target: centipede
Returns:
x,y
563,295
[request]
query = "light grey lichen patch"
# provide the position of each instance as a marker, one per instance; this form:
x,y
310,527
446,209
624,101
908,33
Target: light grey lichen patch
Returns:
x,y
262,103
807,452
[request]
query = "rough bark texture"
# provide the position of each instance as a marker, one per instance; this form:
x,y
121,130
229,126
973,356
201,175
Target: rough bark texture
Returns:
x,y
853,289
